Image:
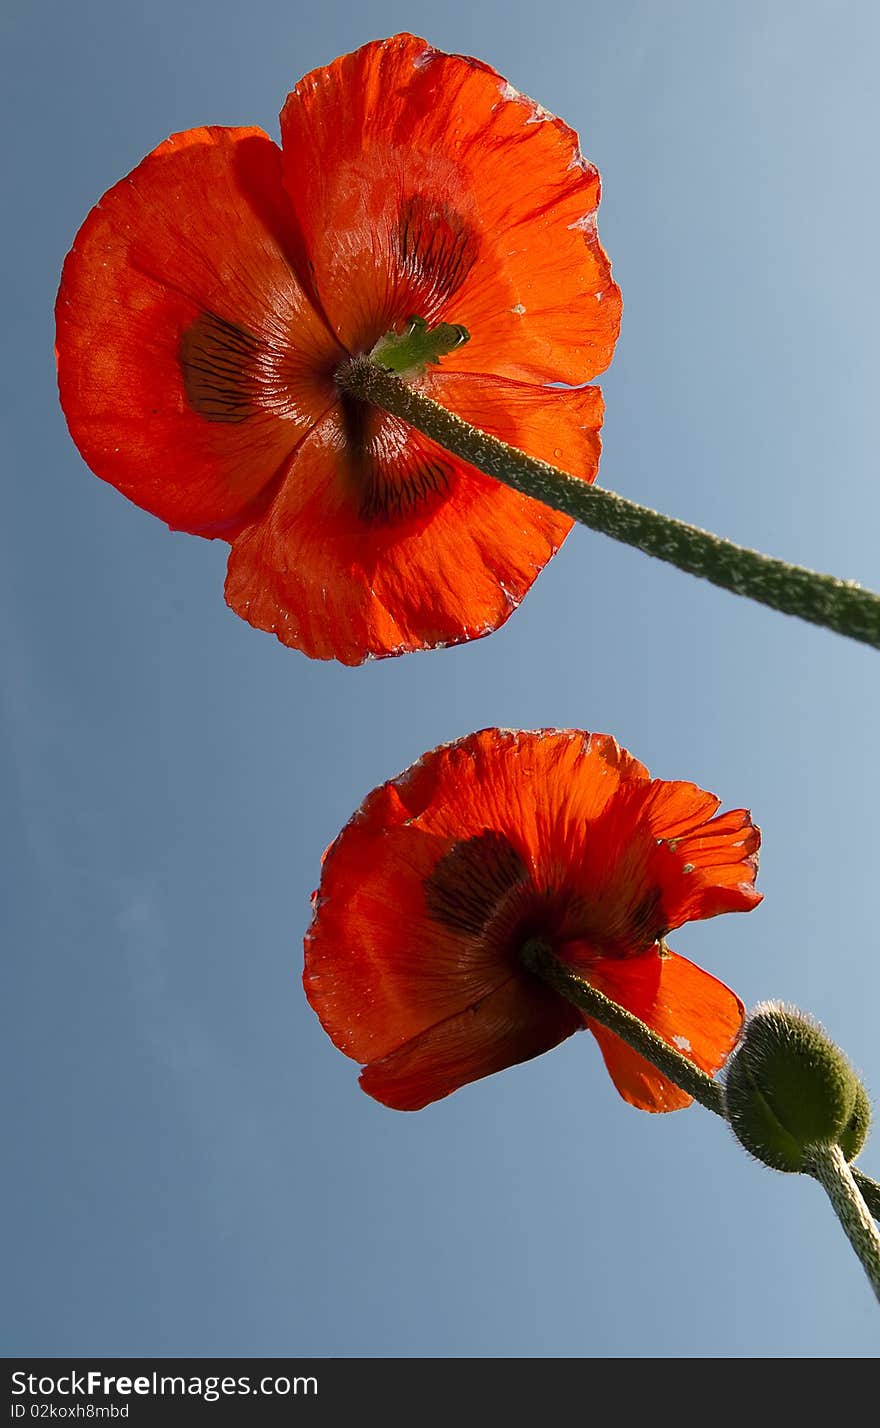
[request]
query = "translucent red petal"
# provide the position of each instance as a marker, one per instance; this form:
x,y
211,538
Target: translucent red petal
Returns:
x,y
190,362
424,182
698,1015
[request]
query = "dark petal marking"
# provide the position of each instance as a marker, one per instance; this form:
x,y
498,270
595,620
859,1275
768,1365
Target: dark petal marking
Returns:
x,y
229,374
392,496
619,930
472,880
217,359
647,924
437,250
391,479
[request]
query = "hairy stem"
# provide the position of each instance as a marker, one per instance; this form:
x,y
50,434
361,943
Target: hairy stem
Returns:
x,y
830,1168
540,960
870,1191
840,605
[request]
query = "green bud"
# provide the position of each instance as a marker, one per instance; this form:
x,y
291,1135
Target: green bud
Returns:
x,y
408,352
788,1087
855,1132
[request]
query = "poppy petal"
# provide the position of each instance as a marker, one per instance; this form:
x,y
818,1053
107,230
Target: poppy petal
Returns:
x,y
190,362
690,1009
398,162
405,970
540,788
379,542
655,859
550,423
512,1024
674,808
708,869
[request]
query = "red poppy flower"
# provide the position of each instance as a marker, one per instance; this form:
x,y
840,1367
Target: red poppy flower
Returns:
x,y
429,894
213,293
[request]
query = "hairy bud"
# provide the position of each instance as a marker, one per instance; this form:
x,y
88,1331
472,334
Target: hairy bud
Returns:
x,y
788,1088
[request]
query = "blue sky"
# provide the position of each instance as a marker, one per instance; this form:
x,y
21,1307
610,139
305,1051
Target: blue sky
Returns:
x,y
193,1168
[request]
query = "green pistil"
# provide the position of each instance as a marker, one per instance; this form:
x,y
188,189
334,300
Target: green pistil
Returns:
x,y
409,352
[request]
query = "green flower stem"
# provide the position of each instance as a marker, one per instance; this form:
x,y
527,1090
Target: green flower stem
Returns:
x,y
540,960
830,1168
870,1191
840,605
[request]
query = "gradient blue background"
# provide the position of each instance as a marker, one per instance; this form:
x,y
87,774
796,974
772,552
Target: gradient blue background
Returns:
x,y
191,1166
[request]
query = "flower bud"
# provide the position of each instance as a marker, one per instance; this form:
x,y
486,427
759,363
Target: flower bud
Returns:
x,y
855,1132
788,1088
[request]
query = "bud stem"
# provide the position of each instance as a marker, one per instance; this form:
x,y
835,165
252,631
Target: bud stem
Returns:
x,y
839,605
539,959
830,1168
870,1191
